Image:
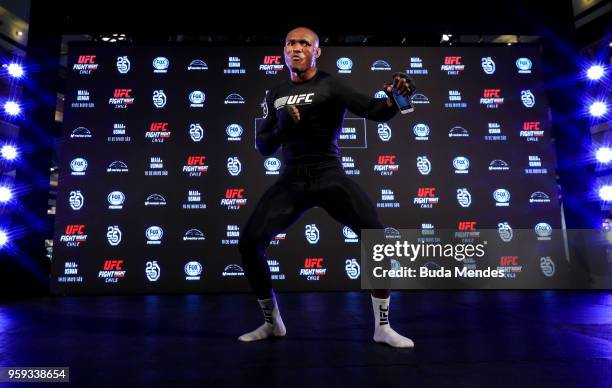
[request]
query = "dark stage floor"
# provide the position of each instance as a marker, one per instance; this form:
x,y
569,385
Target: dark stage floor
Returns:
x,y
463,339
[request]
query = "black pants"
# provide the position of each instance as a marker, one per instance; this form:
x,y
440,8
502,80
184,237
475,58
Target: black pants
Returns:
x,y
299,189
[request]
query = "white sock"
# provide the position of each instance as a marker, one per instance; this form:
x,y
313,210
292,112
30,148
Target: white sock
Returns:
x,y
382,329
273,325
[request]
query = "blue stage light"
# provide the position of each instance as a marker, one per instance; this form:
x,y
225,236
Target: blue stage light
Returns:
x,y
15,70
12,108
598,109
604,155
595,72
5,194
8,152
3,238
605,193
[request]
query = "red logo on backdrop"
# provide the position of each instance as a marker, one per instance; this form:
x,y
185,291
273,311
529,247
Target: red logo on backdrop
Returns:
x,y
313,262
452,65
531,131
113,265
158,132
426,197
386,165
121,98
313,268
86,59
234,193
196,165
272,60
74,235
508,260
271,64
531,126
156,127
85,64
426,192
234,199
386,159
492,93
74,229
112,271
122,93
196,160
491,98
452,60
467,225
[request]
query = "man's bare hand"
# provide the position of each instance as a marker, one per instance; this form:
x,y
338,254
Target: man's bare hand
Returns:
x,y
403,85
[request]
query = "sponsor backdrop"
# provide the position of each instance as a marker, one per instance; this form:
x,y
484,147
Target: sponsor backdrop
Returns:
x,y
159,171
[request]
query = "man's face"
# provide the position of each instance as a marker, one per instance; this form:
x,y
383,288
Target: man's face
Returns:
x,y
301,50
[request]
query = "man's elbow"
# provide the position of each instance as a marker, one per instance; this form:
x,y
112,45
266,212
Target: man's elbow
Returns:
x,y
381,112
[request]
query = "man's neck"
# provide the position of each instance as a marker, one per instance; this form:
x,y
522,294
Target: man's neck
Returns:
x,y
304,75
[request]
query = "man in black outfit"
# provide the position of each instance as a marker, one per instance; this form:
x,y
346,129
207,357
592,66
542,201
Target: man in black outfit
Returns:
x,y
304,116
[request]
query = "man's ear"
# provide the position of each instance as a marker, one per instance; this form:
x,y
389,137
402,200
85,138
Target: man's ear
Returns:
x,y
318,52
